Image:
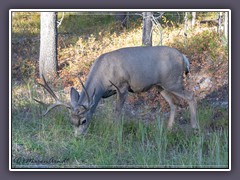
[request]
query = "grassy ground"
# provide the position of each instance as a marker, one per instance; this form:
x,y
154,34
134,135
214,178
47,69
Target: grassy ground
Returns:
x,y
49,142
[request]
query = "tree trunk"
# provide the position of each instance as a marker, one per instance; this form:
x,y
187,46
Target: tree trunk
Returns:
x,y
226,25
193,18
219,23
147,29
185,29
48,45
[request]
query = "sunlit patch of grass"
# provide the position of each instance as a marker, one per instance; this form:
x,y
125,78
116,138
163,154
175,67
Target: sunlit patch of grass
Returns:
x,y
25,23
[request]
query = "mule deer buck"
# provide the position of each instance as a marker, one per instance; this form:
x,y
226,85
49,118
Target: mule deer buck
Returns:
x,y
134,69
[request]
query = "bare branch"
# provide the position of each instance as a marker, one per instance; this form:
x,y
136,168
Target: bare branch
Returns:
x,y
60,22
158,25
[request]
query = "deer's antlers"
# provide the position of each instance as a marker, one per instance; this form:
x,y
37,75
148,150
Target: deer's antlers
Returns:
x,y
57,103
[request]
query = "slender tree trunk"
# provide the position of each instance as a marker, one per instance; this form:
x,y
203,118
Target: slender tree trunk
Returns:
x,y
193,18
48,45
185,29
219,23
147,29
226,25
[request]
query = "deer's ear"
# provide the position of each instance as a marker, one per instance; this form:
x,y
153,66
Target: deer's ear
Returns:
x,y
74,97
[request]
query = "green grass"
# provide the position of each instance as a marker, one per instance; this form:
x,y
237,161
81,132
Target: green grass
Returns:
x,y
80,24
25,24
49,141
28,23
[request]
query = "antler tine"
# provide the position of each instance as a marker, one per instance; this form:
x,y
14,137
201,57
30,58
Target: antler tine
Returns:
x,y
40,102
46,86
53,106
57,103
84,89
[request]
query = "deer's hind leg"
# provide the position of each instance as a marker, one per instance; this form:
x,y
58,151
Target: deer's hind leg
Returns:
x,y
189,97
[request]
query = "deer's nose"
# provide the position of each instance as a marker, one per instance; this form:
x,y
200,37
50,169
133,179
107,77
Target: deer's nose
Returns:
x,y
83,121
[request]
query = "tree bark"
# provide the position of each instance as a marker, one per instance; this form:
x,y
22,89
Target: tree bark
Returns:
x,y
193,18
48,45
147,29
219,23
226,25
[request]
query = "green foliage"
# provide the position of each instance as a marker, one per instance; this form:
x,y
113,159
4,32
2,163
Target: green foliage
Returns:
x,y
207,15
201,43
27,24
208,41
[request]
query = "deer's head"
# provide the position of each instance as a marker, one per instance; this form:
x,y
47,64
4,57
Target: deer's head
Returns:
x,y
80,114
